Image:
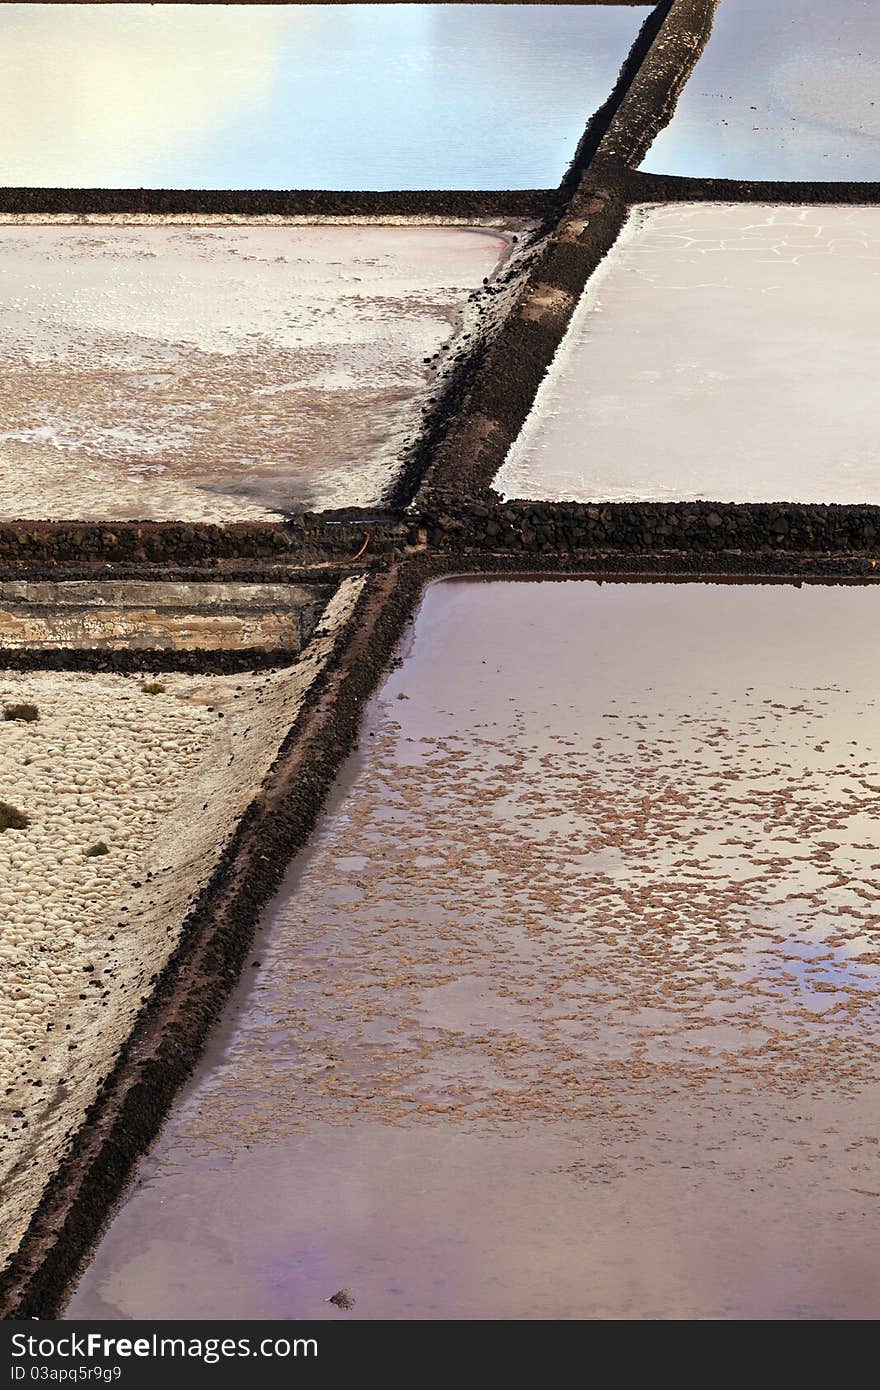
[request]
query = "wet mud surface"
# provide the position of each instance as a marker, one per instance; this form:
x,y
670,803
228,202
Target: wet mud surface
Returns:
x,y
721,352
303,96
781,92
612,1052
130,387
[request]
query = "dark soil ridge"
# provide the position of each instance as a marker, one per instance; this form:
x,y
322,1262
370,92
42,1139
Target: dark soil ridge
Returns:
x,y
295,202
454,394
96,545
323,573
323,553
219,661
168,1035
673,188
699,541
600,194
171,1028
656,85
688,528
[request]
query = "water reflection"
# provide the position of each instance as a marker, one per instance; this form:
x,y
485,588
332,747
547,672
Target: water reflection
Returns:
x,y
781,92
302,96
483,1071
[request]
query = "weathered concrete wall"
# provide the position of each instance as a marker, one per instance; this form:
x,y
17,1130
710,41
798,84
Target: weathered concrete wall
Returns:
x,y
138,615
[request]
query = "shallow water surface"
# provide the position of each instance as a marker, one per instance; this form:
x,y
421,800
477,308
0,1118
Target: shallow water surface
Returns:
x,y
570,1009
721,352
782,91
302,96
220,373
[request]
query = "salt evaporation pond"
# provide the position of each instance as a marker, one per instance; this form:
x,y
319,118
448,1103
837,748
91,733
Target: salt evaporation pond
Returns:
x,y
781,92
303,96
571,1007
220,373
721,352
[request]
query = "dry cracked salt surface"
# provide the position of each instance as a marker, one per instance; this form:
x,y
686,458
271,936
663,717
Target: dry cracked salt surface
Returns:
x,y
216,373
161,779
721,352
570,1009
782,92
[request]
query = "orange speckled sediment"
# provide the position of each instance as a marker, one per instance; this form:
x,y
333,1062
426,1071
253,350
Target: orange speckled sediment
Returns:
x,y
570,1009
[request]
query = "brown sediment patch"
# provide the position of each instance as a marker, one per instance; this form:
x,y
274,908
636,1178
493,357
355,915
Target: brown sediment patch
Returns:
x,y
300,385
650,965
133,1102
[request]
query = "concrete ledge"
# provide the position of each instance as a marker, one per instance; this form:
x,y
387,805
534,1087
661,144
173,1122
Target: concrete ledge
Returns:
x,y
136,616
